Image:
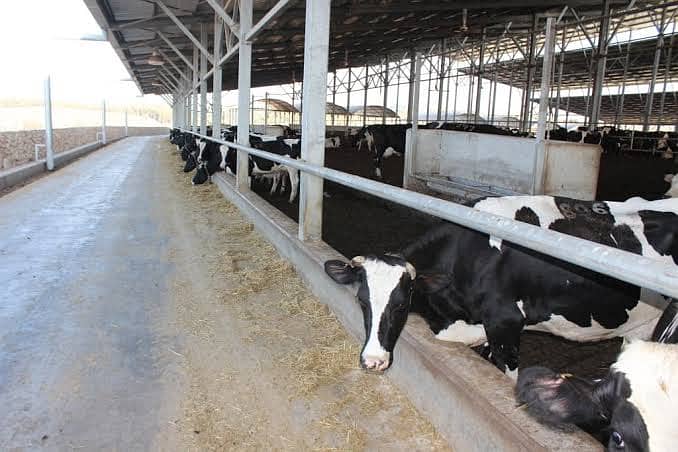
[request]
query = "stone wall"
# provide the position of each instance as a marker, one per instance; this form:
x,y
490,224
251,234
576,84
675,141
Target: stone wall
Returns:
x,y
17,148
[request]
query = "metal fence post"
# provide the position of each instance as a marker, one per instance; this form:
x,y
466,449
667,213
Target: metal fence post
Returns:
x,y
103,122
48,124
244,81
203,80
314,105
127,128
540,144
415,84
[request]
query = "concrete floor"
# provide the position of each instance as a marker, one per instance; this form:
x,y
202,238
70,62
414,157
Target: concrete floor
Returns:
x,y
83,283
133,317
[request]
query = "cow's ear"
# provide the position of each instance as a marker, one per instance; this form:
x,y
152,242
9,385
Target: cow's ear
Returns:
x,y
557,399
342,272
429,282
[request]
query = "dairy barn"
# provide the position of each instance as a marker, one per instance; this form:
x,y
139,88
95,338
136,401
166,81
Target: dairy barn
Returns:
x,y
370,225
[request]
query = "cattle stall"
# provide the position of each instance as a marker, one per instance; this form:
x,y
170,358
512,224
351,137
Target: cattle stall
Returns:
x,y
448,75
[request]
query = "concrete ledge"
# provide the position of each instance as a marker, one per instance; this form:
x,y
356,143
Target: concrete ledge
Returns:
x,y
468,400
16,175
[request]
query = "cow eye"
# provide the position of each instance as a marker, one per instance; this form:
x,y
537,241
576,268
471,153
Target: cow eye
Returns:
x,y
618,440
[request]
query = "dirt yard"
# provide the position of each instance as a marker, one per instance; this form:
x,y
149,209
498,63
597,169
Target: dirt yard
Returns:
x,y
268,366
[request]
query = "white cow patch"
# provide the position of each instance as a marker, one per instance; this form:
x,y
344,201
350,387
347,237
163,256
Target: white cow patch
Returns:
x,y
519,303
673,190
641,322
382,278
461,331
506,206
390,151
651,369
224,150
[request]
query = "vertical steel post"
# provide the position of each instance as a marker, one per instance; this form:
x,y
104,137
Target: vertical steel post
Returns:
x,y
411,86
203,80
217,77
447,89
49,149
334,92
103,122
244,81
655,68
314,105
619,115
383,111
441,80
526,108
127,128
471,79
481,67
547,68
456,88
367,83
414,94
666,78
194,91
601,60
348,98
265,111
561,64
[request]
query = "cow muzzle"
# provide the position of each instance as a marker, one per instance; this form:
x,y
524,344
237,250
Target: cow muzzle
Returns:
x,y
377,363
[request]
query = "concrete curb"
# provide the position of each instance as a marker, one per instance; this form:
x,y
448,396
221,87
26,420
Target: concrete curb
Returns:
x,y
469,401
19,174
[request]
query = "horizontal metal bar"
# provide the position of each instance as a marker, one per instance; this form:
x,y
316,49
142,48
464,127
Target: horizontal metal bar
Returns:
x,y
272,14
629,267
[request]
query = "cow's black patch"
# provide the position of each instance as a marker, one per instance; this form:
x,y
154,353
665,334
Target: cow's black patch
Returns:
x,y
527,215
661,229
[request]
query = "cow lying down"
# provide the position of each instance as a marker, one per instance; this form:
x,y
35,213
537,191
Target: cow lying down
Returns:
x,y
479,290
633,408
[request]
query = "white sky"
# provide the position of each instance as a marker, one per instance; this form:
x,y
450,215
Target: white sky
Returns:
x,y
40,37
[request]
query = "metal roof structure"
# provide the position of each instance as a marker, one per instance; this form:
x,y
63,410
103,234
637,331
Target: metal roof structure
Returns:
x,y
577,64
633,111
361,31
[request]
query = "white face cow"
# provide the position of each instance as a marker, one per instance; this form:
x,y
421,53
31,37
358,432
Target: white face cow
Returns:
x,y
385,296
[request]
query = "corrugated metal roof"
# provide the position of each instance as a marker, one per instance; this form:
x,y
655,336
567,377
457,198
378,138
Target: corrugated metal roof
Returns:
x,y
374,110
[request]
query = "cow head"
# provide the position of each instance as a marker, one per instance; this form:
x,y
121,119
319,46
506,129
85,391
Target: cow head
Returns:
x,y
191,162
631,407
385,295
201,175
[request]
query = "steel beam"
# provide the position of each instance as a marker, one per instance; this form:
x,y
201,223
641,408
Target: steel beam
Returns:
x,y
385,103
217,78
415,84
49,135
314,105
103,123
481,68
221,12
184,30
525,112
544,97
441,80
176,50
194,93
367,83
601,60
203,80
411,86
244,83
655,69
173,64
270,16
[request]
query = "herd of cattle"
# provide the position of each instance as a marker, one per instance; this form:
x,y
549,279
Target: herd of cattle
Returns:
x,y
477,289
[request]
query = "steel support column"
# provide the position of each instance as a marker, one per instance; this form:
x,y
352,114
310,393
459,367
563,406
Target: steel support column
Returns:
x,y
103,122
244,83
367,83
525,112
383,112
348,98
203,80
601,60
217,77
655,69
441,80
481,67
334,92
414,99
411,87
561,65
314,104
127,128
49,148
544,94
194,92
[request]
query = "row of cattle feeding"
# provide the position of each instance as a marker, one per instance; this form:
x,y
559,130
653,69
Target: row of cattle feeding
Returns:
x,y
479,290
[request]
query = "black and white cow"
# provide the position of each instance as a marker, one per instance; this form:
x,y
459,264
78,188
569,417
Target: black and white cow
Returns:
x,y
210,158
633,408
477,289
262,168
385,141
